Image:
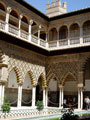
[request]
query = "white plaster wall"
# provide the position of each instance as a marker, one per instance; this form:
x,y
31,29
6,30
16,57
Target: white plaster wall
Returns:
x,y
12,80
70,86
53,85
27,83
87,85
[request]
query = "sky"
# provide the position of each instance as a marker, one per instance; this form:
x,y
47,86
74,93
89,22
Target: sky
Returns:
x,y
72,5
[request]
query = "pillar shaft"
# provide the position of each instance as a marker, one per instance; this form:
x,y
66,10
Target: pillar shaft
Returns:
x,y
19,96
7,18
7,21
44,96
33,96
2,88
81,35
30,30
81,98
60,97
78,98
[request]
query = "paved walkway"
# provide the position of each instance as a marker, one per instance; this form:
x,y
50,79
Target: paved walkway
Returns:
x,y
54,116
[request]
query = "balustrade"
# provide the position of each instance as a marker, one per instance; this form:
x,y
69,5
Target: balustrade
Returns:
x,y
24,34
2,25
86,39
34,39
63,42
13,29
74,41
52,44
42,43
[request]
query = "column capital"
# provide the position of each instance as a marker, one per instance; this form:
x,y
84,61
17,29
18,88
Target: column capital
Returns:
x,y
20,16
40,26
30,21
44,87
80,72
80,85
61,86
20,84
9,9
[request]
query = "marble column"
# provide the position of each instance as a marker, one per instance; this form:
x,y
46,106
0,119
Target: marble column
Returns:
x,y
19,96
81,35
33,96
81,98
19,32
60,97
30,30
39,34
44,96
2,89
7,18
78,98
68,36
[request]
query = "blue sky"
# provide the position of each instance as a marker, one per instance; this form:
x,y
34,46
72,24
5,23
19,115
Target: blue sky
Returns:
x,y
72,5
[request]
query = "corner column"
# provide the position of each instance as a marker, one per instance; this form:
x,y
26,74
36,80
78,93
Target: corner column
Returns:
x,y
30,30
19,102
19,32
7,18
61,95
44,91
46,98
80,96
68,37
33,96
81,35
2,89
39,34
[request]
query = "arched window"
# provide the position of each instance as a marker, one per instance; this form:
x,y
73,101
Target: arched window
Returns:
x,y
24,24
11,90
53,93
27,91
63,32
53,34
13,20
2,12
86,28
74,31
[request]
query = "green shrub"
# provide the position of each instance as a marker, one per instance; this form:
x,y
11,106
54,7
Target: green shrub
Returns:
x,y
6,106
39,105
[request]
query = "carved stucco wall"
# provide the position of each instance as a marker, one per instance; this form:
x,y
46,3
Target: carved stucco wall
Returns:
x,y
64,65
38,65
24,61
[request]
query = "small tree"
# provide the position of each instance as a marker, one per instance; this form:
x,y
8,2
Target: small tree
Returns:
x,y
39,105
5,107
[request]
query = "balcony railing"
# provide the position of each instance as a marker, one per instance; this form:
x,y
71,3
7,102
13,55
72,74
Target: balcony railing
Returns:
x,y
2,25
12,29
63,42
74,41
51,45
42,43
86,39
34,39
24,34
